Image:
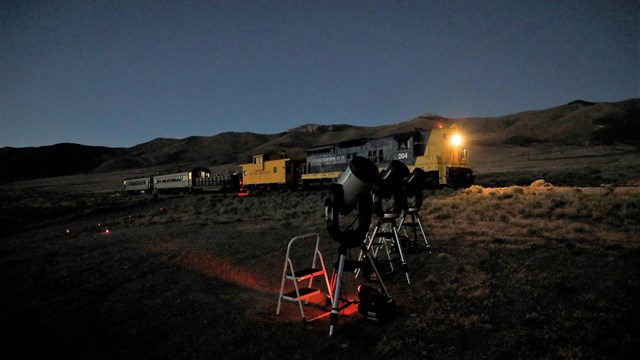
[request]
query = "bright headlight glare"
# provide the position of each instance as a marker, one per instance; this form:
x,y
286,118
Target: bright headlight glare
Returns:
x,y
456,140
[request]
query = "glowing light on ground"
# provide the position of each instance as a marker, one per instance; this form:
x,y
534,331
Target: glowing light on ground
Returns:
x,y
220,268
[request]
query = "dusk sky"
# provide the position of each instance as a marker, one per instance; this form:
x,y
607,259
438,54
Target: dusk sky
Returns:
x,y
120,73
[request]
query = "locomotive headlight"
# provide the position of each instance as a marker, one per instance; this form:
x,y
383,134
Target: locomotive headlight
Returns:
x,y
456,140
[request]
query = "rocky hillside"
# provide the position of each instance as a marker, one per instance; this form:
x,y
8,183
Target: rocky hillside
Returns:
x,y
579,123
54,160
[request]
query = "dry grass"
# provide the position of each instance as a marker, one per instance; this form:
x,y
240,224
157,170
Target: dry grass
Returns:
x,y
516,272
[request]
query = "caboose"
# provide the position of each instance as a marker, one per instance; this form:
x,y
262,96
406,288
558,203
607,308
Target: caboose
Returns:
x,y
271,172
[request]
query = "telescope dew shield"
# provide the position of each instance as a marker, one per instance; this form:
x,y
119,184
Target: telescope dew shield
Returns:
x,y
392,177
356,182
415,181
414,185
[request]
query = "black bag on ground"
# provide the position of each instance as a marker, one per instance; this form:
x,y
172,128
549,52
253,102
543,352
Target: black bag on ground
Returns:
x,y
374,305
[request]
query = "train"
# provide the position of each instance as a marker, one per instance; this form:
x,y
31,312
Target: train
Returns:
x,y
199,179
439,152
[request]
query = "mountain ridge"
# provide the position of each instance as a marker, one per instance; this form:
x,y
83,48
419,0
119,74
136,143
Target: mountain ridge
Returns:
x,y
578,123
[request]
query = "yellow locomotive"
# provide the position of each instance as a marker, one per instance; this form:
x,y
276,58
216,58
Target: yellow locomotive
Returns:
x,y
439,152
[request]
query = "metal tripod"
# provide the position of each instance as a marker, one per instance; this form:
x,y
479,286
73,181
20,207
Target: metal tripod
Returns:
x,y
415,223
337,280
389,220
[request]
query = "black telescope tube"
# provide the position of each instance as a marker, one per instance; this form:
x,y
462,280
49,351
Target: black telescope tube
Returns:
x,y
357,181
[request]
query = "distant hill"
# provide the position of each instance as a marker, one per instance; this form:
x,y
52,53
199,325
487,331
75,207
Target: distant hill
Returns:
x,y
54,160
223,148
579,123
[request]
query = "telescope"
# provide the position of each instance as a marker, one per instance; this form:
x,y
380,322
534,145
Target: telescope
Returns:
x,y
385,232
413,185
352,190
391,184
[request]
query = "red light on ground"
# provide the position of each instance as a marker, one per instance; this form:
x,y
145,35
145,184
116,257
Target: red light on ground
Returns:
x,y
217,267
67,232
243,191
107,231
350,310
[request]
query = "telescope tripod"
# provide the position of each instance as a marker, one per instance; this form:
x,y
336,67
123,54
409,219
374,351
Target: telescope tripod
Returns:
x,y
415,223
336,280
389,221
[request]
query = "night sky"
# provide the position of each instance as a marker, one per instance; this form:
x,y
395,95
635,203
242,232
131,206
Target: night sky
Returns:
x,y
120,73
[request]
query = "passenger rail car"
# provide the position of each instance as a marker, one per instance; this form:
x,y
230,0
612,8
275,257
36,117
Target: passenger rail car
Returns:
x,y
199,179
229,182
182,181
138,185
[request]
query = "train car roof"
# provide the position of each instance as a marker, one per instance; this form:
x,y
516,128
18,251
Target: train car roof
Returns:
x,y
138,177
403,136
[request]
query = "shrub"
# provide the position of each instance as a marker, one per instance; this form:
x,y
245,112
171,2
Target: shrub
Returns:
x,y
474,189
515,190
540,183
510,192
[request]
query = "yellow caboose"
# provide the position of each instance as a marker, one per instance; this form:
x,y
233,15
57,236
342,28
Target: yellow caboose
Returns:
x,y
267,172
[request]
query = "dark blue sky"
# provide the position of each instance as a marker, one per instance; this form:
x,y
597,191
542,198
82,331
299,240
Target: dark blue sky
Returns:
x,y
120,73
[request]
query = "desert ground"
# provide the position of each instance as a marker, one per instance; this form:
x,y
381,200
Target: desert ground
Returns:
x,y
520,271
